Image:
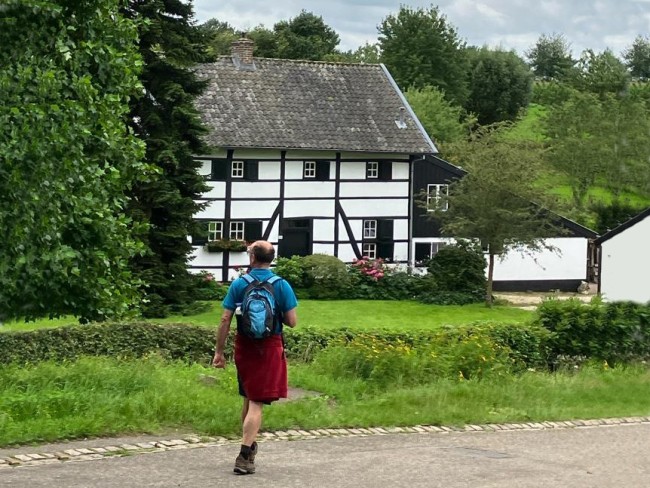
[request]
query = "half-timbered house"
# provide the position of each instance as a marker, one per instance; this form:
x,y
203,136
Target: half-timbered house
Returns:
x,y
315,157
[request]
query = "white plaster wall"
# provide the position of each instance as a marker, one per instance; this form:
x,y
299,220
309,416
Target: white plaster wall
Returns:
x,y
242,210
353,170
307,208
309,189
323,249
400,229
625,265
346,253
569,264
213,210
204,258
255,189
373,188
400,251
324,230
269,170
400,171
375,208
217,189
206,167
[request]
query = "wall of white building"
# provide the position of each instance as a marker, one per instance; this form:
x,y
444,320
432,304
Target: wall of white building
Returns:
x,y
568,263
625,264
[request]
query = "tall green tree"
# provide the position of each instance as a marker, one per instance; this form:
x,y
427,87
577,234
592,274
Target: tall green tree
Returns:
x,y
550,58
421,48
600,73
498,202
166,120
500,85
443,121
571,128
67,158
218,36
305,36
637,57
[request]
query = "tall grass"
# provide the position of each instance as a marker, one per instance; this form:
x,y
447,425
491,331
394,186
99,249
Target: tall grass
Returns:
x,y
104,397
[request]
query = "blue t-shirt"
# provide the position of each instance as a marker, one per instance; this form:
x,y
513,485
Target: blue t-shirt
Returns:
x,y
284,295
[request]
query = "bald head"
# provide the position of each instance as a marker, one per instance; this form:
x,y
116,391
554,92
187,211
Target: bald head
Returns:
x,y
263,251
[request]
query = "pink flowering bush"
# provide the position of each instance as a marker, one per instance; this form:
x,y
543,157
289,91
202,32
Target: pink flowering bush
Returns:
x,y
371,268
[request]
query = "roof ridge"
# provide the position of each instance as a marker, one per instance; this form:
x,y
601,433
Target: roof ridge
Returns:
x,y
304,61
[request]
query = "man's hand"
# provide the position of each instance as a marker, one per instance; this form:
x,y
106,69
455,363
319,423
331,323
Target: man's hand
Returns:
x,y
219,360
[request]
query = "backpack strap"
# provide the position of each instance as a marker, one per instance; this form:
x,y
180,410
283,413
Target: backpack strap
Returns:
x,y
248,278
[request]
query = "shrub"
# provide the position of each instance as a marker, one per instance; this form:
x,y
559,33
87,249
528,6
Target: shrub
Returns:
x,y
206,288
613,332
325,276
459,268
291,269
610,215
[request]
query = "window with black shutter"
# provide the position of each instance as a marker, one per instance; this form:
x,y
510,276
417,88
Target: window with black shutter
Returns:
x,y
385,244
200,234
252,230
251,170
385,170
322,170
220,169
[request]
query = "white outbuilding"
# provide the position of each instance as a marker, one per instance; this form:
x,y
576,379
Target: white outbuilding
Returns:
x,y
624,261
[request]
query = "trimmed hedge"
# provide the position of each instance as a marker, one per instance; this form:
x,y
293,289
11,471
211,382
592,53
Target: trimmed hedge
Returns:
x,y
196,344
612,332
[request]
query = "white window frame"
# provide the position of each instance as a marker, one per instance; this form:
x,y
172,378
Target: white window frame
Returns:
x,y
237,169
369,249
310,169
372,170
215,230
370,229
435,193
439,245
237,230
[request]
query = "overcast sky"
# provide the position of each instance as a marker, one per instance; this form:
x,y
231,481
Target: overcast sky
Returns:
x,y
511,24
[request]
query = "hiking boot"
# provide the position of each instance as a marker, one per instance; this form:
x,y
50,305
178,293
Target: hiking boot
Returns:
x,y
251,456
244,466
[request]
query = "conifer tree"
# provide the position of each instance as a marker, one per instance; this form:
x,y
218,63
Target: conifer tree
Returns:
x,y
165,118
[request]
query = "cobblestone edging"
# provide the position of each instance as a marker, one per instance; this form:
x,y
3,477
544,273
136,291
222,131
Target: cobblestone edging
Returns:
x,y
193,442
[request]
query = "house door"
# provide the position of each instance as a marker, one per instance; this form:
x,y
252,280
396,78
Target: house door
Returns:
x,y
296,238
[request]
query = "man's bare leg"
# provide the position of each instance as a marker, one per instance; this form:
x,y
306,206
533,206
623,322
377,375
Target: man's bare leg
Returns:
x,y
252,422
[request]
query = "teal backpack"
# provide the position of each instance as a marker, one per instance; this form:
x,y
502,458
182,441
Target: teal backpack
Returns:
x,y
260,314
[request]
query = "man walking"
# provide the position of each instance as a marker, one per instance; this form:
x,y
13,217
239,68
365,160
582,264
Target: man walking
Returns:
x,y
261,363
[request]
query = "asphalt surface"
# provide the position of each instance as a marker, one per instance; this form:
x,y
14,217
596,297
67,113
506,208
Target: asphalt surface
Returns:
x,y
585,457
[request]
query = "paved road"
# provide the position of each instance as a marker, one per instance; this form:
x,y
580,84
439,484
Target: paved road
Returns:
x,y
594,457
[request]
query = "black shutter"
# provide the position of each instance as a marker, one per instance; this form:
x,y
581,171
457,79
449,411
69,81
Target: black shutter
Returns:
x,y
251,170
252,230
322,170
220,169
385,230
422,251
385,170
385,250
200,234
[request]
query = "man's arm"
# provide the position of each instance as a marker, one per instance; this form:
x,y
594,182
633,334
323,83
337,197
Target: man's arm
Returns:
x,y
290,318
219,360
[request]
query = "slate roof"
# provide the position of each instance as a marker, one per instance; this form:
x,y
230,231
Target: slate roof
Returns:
x,y
289,104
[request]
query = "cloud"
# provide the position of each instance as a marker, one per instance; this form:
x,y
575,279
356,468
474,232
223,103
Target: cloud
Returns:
x,y
512,24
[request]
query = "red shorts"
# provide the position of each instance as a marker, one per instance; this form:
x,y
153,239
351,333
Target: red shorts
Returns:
x,y
261,368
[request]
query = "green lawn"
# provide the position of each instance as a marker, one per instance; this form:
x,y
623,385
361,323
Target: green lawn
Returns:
x,y
361,314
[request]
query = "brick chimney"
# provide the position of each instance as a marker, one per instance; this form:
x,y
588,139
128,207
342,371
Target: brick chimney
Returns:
x,y
242,53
